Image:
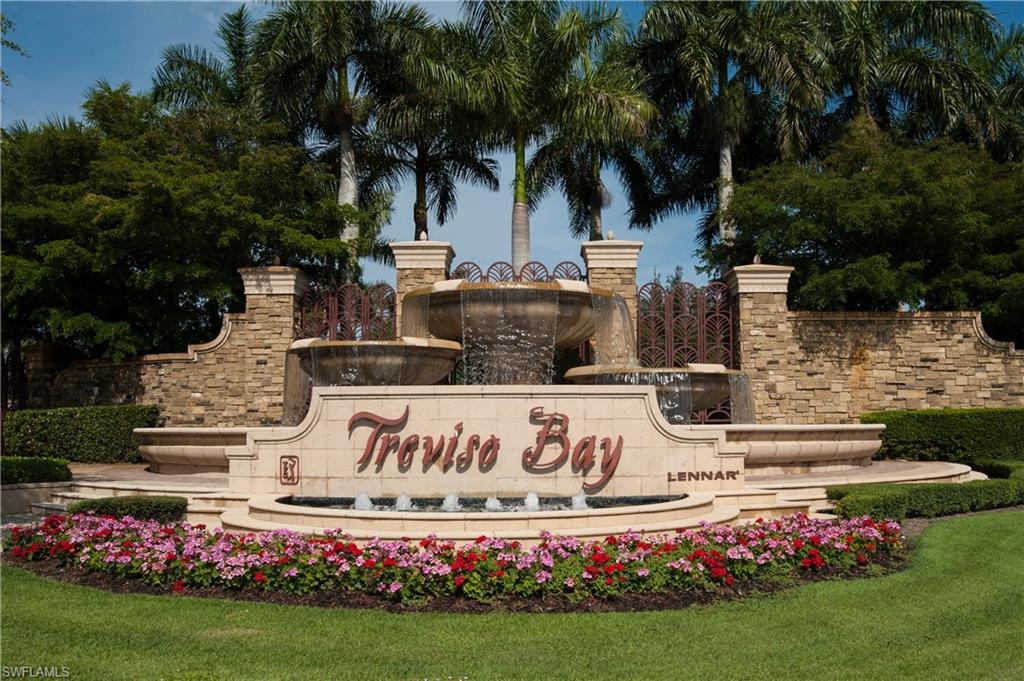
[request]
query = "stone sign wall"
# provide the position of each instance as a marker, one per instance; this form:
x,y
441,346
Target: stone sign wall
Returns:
x,y
479,440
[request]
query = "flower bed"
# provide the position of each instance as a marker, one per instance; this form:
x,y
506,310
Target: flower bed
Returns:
x,y
181,556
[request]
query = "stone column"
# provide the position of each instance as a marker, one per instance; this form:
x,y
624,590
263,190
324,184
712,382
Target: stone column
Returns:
x,y
417,264
763,333
41,368
273,302
611,264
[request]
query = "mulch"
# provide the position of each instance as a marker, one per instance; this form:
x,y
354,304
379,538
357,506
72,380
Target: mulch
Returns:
x,y
630,602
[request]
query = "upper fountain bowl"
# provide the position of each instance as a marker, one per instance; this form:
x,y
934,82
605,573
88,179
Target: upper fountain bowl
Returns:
x,y
559,311
403,361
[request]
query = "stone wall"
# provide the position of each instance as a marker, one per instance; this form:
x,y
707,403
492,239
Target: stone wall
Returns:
x,y
237,379
830,367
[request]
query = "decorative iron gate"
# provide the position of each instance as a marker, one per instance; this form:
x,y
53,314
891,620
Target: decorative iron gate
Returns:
x,y
686,324
348,312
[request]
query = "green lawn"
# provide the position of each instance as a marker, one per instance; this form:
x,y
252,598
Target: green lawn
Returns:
x,y
958,613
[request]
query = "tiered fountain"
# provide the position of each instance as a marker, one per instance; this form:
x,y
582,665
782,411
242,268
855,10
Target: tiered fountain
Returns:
x,y
383,444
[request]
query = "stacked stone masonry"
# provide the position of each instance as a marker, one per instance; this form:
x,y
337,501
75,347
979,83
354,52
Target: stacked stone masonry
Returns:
x,y
235,380
830,367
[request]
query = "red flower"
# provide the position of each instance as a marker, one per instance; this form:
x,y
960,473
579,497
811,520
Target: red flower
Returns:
x,y
611,540
259,577
861,559
798,544
728,580
609,581
369,563
388,562
481,539
170,555
459,580
179,586
499,573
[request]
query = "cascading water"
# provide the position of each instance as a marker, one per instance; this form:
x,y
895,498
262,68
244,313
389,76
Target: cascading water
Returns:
x,y
614,342
508,335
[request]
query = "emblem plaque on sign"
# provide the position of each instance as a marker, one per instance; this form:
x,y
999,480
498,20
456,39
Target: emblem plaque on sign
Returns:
x,y
289,470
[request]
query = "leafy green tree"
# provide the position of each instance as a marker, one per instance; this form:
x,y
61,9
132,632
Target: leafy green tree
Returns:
x,y
873,225
724,72
123,233
317,66
6,26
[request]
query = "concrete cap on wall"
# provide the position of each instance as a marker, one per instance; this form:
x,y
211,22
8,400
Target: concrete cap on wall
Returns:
x,y
422,255
274,281
611,253
758,279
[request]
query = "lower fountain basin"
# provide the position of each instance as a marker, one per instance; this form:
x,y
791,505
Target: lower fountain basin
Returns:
x,y
479,504
404,361
680,390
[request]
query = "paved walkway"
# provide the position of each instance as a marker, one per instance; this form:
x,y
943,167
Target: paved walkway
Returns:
x,y
137,473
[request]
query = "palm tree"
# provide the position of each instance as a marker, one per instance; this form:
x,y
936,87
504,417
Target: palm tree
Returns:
x,y
421,132
513,62
716,68
191,77
437,159
317,57
902,62
578,148
999,124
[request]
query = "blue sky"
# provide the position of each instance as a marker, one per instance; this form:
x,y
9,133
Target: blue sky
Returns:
x,y
73,44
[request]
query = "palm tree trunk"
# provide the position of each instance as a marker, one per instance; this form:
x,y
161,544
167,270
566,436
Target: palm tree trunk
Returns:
x,y
726,228
419,211
596,200
348,191
520,209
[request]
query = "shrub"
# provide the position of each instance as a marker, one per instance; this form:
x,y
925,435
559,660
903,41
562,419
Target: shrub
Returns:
x,y
1000,469
20,470
925,500
86,434
162,509
951,434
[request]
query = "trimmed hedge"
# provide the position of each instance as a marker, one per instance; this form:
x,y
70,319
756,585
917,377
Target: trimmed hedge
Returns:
x,y
86,434
15,470
163,509
1000,469
962,435
926,500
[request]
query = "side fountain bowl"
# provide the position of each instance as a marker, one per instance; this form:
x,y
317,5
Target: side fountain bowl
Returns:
x,y
680,390
404,361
